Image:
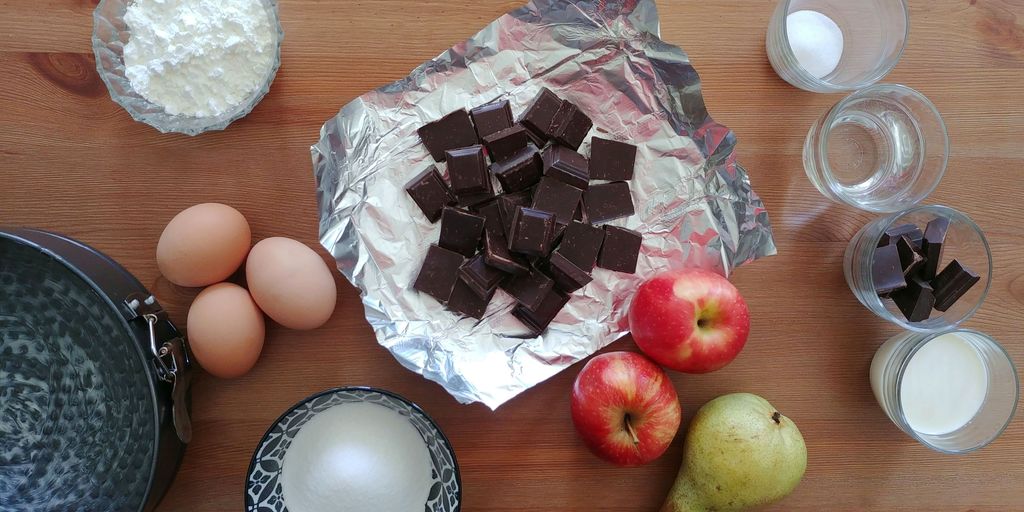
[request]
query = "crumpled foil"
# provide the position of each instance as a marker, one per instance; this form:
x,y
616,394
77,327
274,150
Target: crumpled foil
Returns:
x,y
695,205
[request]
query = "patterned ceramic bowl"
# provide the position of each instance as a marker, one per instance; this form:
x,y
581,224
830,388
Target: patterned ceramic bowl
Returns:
x,y
109,36
263,492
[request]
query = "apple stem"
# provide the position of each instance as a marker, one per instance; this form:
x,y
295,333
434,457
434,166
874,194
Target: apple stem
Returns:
x,y
777,417
632,431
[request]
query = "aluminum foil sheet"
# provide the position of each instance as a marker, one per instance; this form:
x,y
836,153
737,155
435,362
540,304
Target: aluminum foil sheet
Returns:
x,y
695,205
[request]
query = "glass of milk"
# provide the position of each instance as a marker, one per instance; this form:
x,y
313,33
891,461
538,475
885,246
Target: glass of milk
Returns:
x,y
954,391
836,45
964,242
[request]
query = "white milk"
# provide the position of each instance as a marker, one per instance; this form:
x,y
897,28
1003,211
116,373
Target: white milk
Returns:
x,y
943,386
816,41
356,457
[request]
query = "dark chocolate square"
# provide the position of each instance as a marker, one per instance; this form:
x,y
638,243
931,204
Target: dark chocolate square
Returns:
x,y
520,171
549,308
557,197
497,255
608,201
492,213
621,249
570,125
506,143
542,111
530,289
891,235
931,246
567,166
581,245
886,271
467,169
611,160
475,200
452,131
532,232
491,118
465,301
430,192
915,300
567,276
507,205
461,231
482,278
953,283
439,272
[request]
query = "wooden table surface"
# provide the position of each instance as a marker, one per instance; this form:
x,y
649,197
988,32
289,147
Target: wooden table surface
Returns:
x,y
73,161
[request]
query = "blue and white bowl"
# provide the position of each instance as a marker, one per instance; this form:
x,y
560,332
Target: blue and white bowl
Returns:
x,y
263,491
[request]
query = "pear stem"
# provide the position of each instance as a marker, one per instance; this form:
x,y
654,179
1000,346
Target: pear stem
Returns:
x,y
632,431
777,417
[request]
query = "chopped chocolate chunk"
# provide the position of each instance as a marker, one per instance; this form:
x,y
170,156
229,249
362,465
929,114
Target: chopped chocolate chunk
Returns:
x,y
570,126
474,200
520,171
430,192
542,111
910,260
480,277
491,118
539,319
611,160
439,272
558,198
567,276
461,231
452,131
931,246
620,250
506,143
507,205
467,168
953,283
567,166
497,255
532,232
608,202
886,271
581,245
492,213
894,233
916,300
530,289
465,300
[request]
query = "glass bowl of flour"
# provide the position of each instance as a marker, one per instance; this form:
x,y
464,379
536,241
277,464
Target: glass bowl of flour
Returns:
x,y
187,66
355,449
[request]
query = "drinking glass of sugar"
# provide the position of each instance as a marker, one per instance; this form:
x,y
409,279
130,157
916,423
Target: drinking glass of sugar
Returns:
x,y
836,45
954,392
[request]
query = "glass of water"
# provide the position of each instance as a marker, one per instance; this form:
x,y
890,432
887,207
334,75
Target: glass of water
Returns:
x,y
836,45
881,149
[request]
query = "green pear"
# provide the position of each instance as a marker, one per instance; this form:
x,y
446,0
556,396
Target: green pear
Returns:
x,y
739,453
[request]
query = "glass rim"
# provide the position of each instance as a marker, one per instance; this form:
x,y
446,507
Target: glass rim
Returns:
x,y
880,73
954,214
833,113
928,338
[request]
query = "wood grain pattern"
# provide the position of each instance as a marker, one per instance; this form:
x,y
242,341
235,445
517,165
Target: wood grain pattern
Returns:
x,y
74,162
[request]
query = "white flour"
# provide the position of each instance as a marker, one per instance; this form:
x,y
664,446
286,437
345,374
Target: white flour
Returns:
x,y
198,58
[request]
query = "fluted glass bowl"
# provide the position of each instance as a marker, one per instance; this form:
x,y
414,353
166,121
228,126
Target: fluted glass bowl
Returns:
x,y
110,35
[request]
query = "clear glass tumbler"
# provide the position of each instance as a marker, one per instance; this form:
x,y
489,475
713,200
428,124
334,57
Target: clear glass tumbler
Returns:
x,y
964,242
881,149
974,392
836,45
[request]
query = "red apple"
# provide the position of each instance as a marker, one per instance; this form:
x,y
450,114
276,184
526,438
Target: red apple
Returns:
x,y
625,408
692,321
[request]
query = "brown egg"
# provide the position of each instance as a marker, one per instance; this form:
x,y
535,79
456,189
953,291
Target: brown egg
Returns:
x,y
291,283
203,245
225,330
